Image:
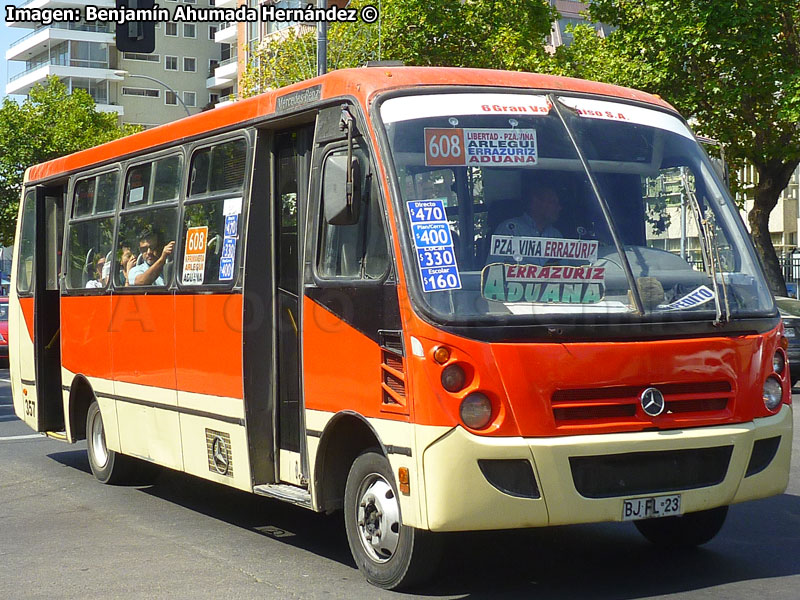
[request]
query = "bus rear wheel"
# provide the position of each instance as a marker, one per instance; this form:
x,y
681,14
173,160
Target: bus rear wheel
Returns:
x,y
390,555
686,531
107,466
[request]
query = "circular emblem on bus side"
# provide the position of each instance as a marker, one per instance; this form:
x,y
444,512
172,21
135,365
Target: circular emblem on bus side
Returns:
x,y
652,401
219,452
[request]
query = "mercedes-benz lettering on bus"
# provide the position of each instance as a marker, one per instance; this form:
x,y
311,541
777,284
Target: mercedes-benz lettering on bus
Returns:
x,y
438,299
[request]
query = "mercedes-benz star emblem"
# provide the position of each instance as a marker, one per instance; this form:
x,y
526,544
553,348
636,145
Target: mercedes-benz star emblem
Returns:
x,y
219,450
652,402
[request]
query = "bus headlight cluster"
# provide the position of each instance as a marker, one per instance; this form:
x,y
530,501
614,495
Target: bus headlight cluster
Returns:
x,y
476,410
772,393
778,362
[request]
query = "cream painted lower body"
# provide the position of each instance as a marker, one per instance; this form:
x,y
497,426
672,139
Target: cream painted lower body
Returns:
x,y
458,497
179,430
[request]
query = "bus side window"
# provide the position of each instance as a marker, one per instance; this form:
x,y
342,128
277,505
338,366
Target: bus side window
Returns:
x,y
26,244
211,229
357,251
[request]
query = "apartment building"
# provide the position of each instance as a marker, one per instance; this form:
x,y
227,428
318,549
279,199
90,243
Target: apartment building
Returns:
x,y
145,89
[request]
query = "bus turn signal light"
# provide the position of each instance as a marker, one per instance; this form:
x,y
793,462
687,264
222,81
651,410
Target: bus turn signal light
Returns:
x,y
441,355
403,481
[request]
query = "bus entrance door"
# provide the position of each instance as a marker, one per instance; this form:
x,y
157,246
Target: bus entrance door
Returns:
x,y
292,160
39,298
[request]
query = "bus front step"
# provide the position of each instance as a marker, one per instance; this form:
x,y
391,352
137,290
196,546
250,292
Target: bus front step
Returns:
x,y
283,491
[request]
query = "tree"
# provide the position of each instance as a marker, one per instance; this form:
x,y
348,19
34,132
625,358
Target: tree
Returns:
x,y
473,33
733,67
48,124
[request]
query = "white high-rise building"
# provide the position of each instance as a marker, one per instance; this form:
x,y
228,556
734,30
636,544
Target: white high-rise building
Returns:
x,y
135,86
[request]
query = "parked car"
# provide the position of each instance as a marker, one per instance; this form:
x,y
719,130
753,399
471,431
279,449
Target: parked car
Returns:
x,y
4,329
790,313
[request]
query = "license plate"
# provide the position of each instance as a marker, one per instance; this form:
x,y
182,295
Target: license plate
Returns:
x,y
649,508
789,332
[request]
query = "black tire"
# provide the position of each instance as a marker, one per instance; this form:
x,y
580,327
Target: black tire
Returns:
x,y
686,531
107,466
402,556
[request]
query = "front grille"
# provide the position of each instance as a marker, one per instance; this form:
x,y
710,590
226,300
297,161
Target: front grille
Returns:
x,y
633,473
621,403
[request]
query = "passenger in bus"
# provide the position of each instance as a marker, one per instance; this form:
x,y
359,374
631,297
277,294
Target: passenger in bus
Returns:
x,y
99,281
541,212
154,258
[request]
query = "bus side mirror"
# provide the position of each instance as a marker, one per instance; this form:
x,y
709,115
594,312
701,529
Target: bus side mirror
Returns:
x,y
136,36
341,190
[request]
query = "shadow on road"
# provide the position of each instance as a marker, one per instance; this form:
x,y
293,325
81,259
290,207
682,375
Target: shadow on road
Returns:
x,y
760,540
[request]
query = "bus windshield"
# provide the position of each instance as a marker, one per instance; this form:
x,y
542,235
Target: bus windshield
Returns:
x,y
534,207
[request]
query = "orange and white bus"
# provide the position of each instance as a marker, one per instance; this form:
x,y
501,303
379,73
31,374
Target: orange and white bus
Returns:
x,y
438,299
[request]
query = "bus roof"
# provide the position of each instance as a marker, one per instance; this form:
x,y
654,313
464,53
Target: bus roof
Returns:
x,y
362,83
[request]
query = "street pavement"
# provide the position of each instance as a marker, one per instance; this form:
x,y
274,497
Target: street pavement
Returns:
x,y
63,535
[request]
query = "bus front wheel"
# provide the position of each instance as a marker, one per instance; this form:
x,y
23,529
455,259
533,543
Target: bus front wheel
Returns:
x,y
691,529
107,466
391,555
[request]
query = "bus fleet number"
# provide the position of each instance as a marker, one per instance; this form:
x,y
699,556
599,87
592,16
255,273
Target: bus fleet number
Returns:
x,y
30,408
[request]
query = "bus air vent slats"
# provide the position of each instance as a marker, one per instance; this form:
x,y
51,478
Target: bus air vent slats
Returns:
x,y
621,403
393,374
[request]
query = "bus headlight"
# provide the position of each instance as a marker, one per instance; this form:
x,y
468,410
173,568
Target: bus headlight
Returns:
x,y
476,410
453,378
778,362
772,393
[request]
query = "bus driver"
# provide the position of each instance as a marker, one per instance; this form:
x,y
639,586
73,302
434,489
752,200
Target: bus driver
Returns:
x,y
542,210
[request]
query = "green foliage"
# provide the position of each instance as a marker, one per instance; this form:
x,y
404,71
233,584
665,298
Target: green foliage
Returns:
x,y
48,124
474,33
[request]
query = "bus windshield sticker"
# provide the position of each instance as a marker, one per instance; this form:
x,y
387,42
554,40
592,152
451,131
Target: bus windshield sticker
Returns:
x,y
450,105
231,226
227,258
194,258
433,242
136,194
627,113
545,284
520,247
491,147
232,206
694,298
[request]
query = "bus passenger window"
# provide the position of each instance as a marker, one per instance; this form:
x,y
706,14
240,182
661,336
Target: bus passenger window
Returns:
x,y
219,168
167,179
356,251
138,185
26,244
146,247
91,239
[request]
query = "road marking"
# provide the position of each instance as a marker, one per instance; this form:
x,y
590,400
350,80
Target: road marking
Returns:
x,y
23,437
5,380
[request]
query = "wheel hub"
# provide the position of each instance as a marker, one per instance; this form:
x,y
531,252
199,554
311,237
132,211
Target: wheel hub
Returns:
x,y
378,518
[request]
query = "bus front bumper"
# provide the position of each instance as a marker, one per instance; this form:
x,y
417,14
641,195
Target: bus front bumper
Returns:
x,y
585,479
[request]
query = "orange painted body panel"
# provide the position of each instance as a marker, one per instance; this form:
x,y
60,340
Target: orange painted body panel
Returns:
x,y
521,379
363,84
143,339
26,304
134,339
208,337
85,335
341,366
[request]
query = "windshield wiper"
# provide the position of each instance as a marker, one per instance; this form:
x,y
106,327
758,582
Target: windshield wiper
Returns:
x,y
708,245
626,265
